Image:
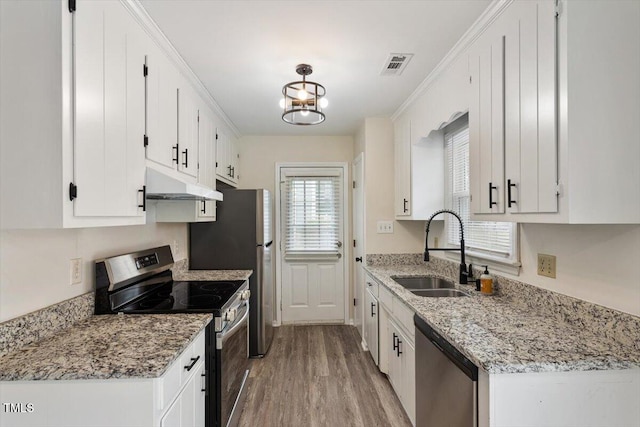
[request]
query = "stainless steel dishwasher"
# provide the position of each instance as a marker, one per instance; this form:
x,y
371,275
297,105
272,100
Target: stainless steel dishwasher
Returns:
x,y
446,382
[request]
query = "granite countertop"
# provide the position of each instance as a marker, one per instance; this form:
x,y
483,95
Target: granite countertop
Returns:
x,y
181,271
501,337
106,347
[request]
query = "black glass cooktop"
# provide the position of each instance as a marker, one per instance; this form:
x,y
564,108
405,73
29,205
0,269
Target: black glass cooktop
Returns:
x,y
186,297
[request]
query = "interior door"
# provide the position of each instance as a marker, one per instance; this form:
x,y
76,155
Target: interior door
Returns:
x,y
312,225
358,243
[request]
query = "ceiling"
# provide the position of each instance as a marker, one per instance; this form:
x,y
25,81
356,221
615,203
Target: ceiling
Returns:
x,y
245,51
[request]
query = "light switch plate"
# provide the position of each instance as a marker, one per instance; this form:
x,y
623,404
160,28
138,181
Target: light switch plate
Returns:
x,y
547,265
385,227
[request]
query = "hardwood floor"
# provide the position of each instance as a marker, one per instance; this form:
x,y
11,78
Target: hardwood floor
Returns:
x,y
318,375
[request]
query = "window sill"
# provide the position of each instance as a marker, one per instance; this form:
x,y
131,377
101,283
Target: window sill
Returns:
x,y
494,263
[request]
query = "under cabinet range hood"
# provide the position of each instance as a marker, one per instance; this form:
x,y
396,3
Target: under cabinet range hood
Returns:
x,y
164,187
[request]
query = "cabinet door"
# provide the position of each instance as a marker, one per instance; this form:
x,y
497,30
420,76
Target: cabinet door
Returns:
x,y
395,361
486,125
402,167
371,324
234,158
223,165
187,131
162,108
109,111
530,113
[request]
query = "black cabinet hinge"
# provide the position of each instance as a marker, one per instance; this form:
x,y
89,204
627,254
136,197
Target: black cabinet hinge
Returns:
x,y
73,191
216,164
72,6
145,70
354,184
145,140
354,302
354,243
216,136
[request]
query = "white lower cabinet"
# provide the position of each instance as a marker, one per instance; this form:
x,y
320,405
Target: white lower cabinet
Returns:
x,y
371,323
176,399
397,347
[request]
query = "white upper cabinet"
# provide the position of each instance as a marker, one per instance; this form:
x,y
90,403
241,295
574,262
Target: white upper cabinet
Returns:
x,y
73,115
486,125
530,109
162,109
187,131
109,111
402,150
227,159
571,127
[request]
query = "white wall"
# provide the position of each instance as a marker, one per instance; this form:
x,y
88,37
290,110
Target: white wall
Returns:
x,y
259,154
34,264
375,138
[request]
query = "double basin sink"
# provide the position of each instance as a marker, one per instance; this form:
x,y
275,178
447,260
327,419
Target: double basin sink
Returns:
x,y
427,286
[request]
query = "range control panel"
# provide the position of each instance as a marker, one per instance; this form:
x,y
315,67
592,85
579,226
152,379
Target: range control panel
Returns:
x,y
146,261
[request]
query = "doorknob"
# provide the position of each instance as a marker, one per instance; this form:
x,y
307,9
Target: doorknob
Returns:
x,y
358,259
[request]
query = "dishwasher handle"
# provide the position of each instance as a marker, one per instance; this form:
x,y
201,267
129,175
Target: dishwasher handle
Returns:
x,y
461,361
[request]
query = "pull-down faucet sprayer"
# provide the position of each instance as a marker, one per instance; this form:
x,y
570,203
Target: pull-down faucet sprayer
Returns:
x,y
463,265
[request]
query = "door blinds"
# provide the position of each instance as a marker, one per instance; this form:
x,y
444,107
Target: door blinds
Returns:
x,y
494,238
312,216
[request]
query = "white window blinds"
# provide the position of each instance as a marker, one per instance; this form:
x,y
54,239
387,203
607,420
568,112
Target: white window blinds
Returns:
x,y
494,239
312,214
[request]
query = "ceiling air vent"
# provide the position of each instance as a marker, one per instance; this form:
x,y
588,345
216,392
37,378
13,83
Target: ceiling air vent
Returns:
x,y
395,64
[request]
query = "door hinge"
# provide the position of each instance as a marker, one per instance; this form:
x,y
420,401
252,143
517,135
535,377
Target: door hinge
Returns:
x,y
280,305
469,79
72,6
73,191
354,243
216,136
354,302
145,140
558,189
145,70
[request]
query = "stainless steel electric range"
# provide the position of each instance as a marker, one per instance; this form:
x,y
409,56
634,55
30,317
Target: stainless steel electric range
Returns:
x,y
142,282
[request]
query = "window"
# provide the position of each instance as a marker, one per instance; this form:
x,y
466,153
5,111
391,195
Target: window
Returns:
x,y
496,241
312,214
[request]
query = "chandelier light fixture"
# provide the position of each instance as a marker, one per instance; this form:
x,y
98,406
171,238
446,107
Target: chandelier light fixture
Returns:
x,y
303,100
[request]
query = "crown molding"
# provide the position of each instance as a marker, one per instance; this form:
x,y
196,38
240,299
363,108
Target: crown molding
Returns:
x,y
151,28
490,14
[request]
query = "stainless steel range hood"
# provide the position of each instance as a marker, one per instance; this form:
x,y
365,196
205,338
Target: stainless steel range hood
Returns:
x,y
165,187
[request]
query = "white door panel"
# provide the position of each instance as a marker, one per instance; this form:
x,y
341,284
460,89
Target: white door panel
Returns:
x,y
313,287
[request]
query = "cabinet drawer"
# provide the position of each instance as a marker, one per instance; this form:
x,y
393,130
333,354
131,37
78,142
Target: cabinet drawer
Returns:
x,y
385,297
176,376
372,286
404,316
191,357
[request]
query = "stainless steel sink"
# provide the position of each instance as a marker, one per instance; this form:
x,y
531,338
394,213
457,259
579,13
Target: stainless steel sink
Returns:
x,y
433,293
423,282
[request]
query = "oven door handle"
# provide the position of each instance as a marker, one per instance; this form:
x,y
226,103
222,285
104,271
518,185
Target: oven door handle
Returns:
x,y
229,331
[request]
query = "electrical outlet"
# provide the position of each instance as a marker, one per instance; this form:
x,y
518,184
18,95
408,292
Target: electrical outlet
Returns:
x,y
75,270
547,265
385,227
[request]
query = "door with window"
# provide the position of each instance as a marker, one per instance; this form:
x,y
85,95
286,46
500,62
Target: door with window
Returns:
x,y
312,227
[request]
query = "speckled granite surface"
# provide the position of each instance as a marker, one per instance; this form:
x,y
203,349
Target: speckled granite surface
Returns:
x,y
181,272
103,347
41,324
522,328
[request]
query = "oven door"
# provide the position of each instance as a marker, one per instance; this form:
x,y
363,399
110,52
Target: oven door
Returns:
x,y
232,354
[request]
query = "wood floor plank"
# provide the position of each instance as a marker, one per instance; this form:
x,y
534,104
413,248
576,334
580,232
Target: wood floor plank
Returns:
x,y
318,375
